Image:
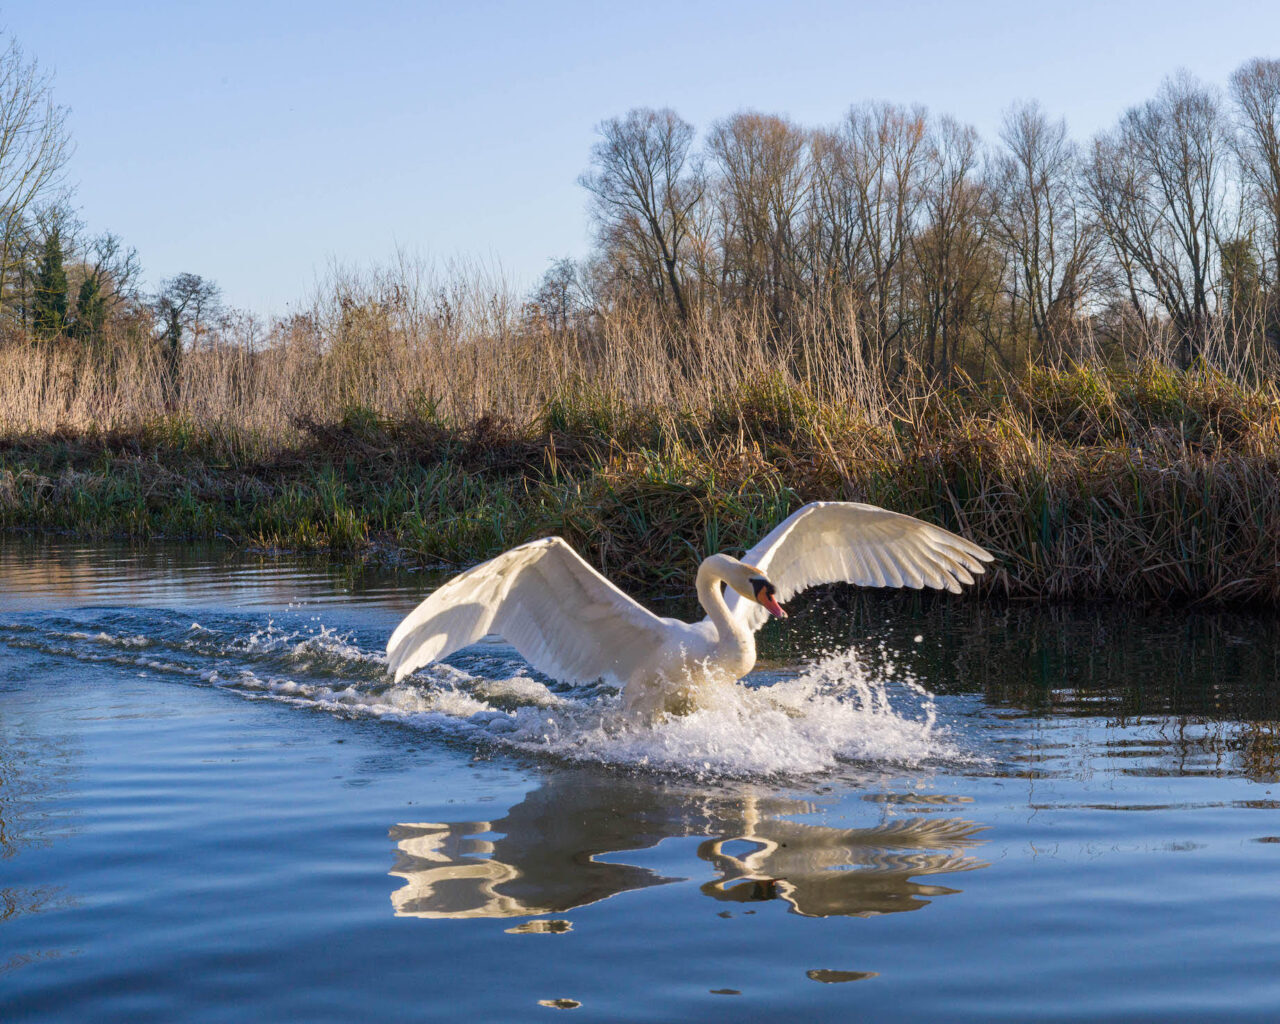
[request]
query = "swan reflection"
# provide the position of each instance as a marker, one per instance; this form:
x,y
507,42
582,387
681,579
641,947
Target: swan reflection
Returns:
x,y
541,858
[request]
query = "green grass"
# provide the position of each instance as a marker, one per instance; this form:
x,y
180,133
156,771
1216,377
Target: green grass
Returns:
x,y
1152,485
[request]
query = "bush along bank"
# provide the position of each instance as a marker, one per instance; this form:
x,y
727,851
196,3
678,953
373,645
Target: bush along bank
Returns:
x,y
1151,485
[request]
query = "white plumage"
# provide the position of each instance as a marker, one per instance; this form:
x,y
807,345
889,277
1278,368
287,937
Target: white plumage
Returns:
x,y
574,625
564,617
848,542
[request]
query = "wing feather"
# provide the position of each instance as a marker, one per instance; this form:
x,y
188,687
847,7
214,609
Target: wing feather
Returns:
x,y
566,619
845,541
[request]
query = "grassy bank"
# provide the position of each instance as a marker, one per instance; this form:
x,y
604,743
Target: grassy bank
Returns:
x,y
1149,484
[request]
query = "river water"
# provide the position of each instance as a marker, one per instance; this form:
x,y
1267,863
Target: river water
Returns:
x,y
216,806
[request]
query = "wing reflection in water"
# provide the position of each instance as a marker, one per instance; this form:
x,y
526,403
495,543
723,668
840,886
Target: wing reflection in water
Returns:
x,y
541,857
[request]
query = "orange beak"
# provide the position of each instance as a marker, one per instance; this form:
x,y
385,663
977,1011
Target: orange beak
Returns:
x,y
771,605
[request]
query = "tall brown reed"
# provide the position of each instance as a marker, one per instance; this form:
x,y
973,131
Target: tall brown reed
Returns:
x,y
409,342
646,445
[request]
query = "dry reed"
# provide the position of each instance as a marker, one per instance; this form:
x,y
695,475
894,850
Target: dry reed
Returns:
x,y
437,419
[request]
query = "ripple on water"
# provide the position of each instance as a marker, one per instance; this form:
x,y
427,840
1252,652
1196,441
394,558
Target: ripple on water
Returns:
x,y
834,710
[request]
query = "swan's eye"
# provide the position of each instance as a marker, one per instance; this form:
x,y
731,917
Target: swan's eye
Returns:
x,y
765,595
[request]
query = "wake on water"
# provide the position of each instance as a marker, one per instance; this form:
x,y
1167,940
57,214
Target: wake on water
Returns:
x,y
833,710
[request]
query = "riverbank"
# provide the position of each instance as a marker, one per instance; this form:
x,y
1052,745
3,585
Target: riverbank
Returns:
x,y
1149,485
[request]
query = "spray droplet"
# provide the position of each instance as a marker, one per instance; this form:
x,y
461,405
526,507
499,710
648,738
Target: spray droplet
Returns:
x,y
917,638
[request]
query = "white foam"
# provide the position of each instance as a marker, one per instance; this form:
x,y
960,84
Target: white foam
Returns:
x,y
325,643
832,712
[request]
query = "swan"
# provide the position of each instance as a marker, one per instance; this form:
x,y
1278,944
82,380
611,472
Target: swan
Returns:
x,y
572,624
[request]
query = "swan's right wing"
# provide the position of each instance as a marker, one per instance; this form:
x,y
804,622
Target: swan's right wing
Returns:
x,y
567,620
848,542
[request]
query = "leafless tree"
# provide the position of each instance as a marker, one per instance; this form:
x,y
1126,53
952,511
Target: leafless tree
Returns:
x,y
187,303
34,148
558,296
899,230
103,280
1158,187
647,186
868,177
1255,87
116,267
949,251
1052,243
763,187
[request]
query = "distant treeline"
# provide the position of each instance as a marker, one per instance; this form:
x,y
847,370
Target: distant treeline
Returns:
x,y
58,282
1160,236
1068,353
842,259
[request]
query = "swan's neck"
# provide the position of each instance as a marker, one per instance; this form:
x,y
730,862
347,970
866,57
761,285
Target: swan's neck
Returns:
x,y
711,573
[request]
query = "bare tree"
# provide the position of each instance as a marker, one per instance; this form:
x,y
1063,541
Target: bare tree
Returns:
x,y
107,271
763,189
1158,186
116,266
949,251
185,303
1051,242
868,177
888,166
1255,87
558,296
34,148
647,187
897,230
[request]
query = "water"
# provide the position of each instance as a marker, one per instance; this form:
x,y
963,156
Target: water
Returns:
x,y
215,806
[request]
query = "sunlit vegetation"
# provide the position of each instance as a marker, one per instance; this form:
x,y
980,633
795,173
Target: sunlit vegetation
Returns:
x,y
1154,484
1067,352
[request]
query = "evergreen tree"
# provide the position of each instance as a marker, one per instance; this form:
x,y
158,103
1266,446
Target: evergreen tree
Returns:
x,y
1243,293
50,305
91,310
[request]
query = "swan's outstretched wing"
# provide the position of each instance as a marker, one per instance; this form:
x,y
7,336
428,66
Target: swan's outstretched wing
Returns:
x,y
564,617
844,541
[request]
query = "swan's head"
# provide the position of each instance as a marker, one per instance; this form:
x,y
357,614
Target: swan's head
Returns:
x,y
754,585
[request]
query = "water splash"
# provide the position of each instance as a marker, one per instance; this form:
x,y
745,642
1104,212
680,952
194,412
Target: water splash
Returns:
x,y
834,710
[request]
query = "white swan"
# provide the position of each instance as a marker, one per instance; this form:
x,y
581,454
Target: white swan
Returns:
x,y
574,625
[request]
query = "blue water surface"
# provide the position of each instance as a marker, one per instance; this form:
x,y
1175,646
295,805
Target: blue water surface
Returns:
x,y
215,806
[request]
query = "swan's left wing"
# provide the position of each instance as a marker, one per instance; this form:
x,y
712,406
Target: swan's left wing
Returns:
x,y
566,619
848,542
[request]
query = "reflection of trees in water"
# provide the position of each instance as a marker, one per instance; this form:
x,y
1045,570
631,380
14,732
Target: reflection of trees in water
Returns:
x,y
24,959
17,901
1195,745
60,574
1061,658
32,766
541,857
1260,750
1204,685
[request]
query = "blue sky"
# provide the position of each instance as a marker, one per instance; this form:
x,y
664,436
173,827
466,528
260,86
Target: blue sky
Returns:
x,y
257,142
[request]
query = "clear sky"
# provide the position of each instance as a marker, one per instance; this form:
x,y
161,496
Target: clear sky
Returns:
x,y
257,142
